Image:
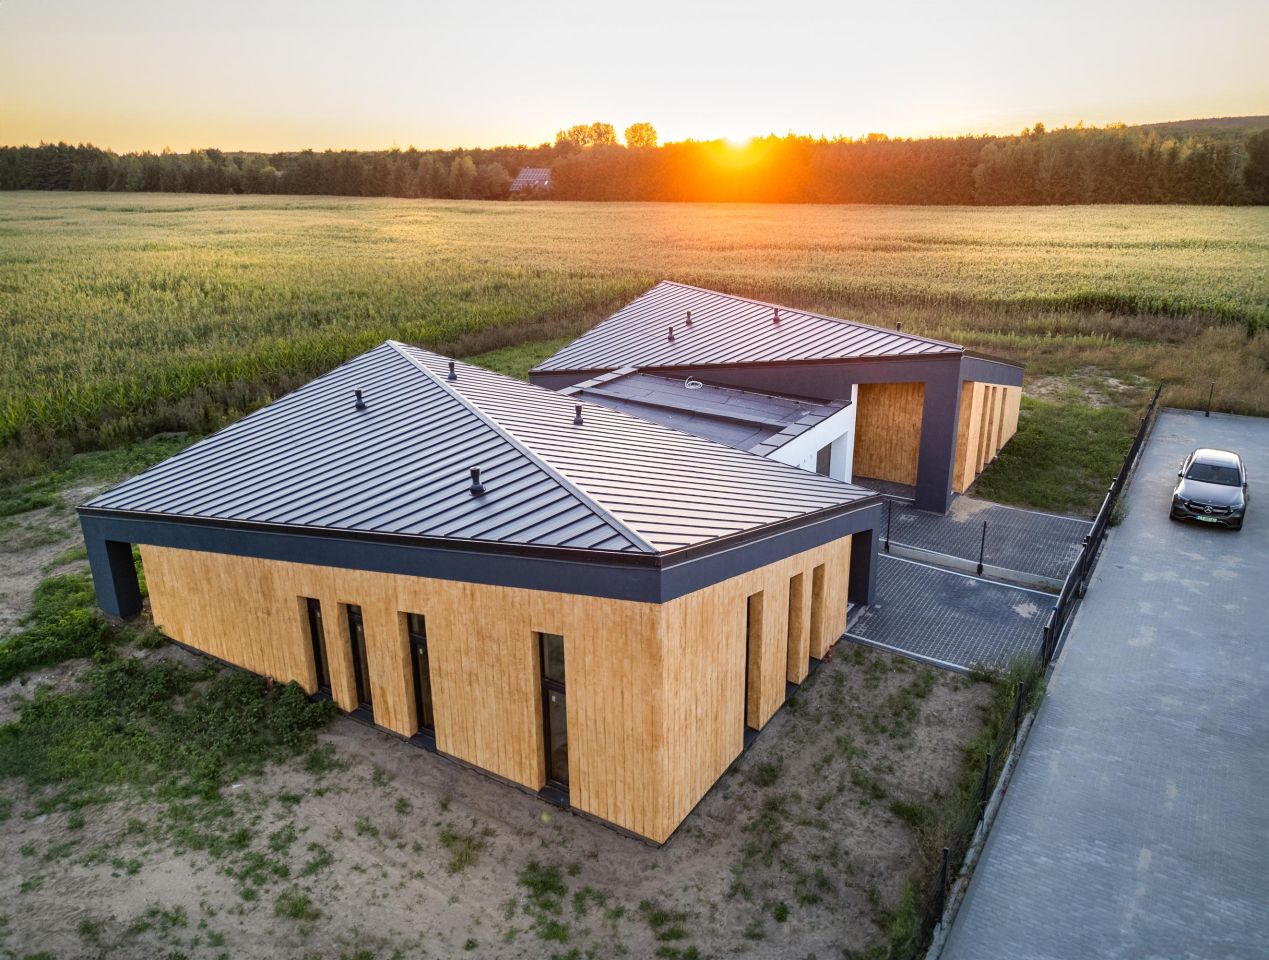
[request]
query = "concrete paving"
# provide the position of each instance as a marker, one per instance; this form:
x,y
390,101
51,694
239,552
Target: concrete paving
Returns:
x,y
1026,541
1137,821
950,619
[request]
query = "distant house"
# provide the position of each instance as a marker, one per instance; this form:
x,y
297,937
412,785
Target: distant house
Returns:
x,y
862,401
532,180
592,605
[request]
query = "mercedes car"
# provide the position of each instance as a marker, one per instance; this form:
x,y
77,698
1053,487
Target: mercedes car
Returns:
x,y
1211,488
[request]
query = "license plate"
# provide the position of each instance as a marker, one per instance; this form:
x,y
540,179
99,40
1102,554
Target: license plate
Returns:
x,y
1207,519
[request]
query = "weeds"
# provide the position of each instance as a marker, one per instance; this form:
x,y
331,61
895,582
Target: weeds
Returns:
x,y
464,846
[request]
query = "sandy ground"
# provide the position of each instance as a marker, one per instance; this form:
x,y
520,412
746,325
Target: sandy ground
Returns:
x,y
30,545
795,852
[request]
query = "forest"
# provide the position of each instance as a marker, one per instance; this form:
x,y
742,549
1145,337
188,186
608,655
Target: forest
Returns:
x,y
1071,165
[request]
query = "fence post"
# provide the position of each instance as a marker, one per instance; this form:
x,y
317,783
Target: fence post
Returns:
x,y
1086,554
943,878
982,548
982,793
1017,706
889,513
1210,390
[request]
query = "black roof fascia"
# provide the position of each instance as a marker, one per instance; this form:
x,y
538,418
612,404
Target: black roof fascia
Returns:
x,y
991,370
617,575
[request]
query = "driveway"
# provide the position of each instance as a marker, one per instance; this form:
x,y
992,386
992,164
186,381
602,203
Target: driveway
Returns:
x,y
1137,821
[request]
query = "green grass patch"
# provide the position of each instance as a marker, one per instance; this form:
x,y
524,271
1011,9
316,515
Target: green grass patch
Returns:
x,y
1062,458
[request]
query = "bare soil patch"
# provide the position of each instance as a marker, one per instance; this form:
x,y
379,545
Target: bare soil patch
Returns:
x,y
382,849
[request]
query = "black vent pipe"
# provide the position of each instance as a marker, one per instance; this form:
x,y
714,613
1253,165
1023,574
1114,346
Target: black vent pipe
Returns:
x,y
359,403
477,488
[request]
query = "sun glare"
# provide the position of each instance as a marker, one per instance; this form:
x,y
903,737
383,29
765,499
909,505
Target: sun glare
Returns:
x,y
737,142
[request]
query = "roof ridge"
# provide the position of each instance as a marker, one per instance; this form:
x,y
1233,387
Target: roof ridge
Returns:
x,y
607,515
811,313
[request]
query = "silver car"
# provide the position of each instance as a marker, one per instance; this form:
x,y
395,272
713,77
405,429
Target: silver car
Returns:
x,y
1211,488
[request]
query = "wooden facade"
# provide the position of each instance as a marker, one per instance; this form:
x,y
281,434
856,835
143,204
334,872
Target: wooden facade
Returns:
x,y
656,693
988,419
888,431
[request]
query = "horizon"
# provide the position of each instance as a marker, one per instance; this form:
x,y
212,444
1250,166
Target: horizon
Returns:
x,y
142,76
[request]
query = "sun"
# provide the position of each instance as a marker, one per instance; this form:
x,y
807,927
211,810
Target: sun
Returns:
x,y
737,141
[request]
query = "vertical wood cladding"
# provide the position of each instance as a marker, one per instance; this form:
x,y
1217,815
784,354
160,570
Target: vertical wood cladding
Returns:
x,y
655,691
888,431
988,418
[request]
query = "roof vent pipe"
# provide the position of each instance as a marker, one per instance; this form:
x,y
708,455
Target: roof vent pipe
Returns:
x,y
359,403
577,415
671,336
898,325
775,316
477,488
453,375
688,321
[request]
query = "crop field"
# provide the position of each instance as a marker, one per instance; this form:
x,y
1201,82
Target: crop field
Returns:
x,y
125,316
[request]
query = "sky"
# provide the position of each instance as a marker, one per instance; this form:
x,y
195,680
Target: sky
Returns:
x,y
287,74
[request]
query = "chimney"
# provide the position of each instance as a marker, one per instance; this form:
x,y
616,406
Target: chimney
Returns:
x,y
477,488
359,403
577,415
453,374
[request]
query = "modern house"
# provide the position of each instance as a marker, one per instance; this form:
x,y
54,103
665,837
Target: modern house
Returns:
x,y
588,604
923,414
532,180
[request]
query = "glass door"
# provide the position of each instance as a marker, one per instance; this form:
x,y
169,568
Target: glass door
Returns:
x,y
554,709
317,634
421,668
361,664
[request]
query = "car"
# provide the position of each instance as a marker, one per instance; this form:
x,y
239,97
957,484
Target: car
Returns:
x,y
1211,488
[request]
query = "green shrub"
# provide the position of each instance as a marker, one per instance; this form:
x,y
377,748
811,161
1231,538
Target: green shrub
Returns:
x,y
66,636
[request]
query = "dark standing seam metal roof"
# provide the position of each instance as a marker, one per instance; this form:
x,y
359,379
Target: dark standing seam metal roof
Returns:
x,y
760,423
727,330
400,466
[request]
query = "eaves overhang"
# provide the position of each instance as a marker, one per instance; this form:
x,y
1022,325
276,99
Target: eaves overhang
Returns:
x,y
620,575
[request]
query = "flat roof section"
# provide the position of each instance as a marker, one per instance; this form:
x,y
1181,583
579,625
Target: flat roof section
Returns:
x,y
718,329
744,419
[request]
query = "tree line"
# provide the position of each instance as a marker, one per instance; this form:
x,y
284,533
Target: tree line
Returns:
x,y
1072,165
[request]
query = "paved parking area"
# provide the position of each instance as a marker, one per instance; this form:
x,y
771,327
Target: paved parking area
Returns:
x,y
1044,544
1137,820
950,619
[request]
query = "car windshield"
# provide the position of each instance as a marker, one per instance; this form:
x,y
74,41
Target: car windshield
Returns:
x,y
1214,473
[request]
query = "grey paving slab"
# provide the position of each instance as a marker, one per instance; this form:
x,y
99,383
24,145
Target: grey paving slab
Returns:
x,y
1025,540
1137,821
950,618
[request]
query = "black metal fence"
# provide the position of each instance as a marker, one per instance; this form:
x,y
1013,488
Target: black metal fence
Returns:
x,y
960,833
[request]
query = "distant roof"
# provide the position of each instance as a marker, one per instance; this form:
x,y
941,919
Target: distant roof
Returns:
x,y
531,178
400,466
760,423
725,329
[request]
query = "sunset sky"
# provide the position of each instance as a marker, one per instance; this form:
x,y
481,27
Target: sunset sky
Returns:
x,y
286,74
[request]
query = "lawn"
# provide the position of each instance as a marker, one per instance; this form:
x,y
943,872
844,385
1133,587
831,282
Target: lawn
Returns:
x,y
125,316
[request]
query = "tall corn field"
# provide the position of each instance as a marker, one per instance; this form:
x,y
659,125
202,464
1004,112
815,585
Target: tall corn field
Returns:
x,y
125,315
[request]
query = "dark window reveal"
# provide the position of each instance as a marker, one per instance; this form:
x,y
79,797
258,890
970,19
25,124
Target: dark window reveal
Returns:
x,y
361,664
317,636
554,709
421,668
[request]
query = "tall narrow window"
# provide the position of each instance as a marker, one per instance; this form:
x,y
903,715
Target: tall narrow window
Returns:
x,y
361,664
317,636
817,608
421,668
554,709
753,656
824,459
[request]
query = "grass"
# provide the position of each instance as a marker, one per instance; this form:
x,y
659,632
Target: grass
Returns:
x,y
1062,458
123,317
